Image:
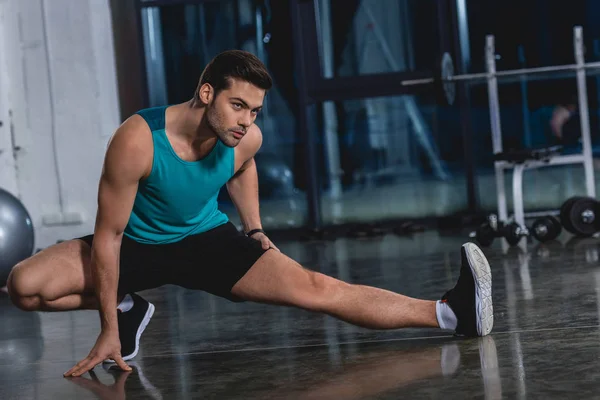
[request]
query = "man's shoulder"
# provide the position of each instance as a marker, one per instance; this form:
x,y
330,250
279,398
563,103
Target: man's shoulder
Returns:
x,y
134,133
131,147
251,142
154,117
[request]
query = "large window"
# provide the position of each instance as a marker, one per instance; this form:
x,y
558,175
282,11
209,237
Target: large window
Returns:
x,y
379,150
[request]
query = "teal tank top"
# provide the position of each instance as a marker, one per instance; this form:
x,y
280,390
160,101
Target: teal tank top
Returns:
x,y
178,198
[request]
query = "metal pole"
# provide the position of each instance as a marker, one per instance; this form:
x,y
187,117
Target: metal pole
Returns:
x,y
584,112
462,21
265,116
332,145
460,39
490,55
304,130
260,48
552,68
525,101
481,76
518,194
460,34
155,67
596,55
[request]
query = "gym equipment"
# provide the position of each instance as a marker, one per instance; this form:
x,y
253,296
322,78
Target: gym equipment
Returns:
x,y
519,161
487,232
529,159
446,82
447,75
578,216
16,234
526,159
513,233
544,229
276,177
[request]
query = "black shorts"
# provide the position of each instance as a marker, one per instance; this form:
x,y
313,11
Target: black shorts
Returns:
x,y
212,261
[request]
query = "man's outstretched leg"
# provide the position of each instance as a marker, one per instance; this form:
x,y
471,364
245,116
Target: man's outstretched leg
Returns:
x,y
467,308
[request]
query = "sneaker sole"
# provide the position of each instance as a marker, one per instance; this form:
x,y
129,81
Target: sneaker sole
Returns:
x,y
143,325
482,275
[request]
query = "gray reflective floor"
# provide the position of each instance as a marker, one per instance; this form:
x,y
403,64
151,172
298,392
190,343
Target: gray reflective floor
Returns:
x,y
546,341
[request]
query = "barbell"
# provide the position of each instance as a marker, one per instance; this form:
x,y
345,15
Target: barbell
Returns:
x,y
447,80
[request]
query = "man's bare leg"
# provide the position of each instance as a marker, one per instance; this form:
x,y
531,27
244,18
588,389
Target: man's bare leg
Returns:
x,y
467,308
60,279
71,302
277,279
55,279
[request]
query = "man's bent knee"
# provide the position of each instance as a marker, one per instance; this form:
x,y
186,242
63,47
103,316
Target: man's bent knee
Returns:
x,y
32,303
21,289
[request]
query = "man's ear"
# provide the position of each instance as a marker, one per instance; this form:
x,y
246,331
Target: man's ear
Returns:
x,y
206,93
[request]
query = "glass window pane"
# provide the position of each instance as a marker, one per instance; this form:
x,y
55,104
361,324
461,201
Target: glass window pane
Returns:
x,y
391,157
361,37
540,33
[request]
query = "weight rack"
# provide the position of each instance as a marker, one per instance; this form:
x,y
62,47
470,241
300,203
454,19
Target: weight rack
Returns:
x,y
500,166
537,158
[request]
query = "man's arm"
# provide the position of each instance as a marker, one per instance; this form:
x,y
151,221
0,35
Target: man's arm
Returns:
x,y
127,160
243,186
560,115
125,164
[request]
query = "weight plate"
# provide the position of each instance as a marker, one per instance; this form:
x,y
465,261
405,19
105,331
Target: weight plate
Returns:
x,y
541,229
565,211
545,229
485,235
584,225
447,73
557,227
512,233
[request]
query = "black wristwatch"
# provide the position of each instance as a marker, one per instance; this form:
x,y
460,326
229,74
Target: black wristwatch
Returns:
x,y
254,231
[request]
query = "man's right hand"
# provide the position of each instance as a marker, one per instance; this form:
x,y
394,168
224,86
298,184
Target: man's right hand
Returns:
x,y
108,346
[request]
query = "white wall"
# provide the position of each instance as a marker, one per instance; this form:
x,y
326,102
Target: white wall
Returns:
x,y
60,86
8,178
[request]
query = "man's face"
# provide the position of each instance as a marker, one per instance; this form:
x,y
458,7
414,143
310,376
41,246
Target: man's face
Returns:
x,y
234,110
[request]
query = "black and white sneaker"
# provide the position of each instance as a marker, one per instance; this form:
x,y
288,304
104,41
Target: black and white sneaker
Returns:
x,y
131,326
471,298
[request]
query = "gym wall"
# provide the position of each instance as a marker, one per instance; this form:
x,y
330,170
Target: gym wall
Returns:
x,y
59,106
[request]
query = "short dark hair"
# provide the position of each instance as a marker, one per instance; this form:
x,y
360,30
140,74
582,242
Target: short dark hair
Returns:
x,y
236,64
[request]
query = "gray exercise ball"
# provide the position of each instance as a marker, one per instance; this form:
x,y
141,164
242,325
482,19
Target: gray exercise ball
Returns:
x,y
16,234
275,178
